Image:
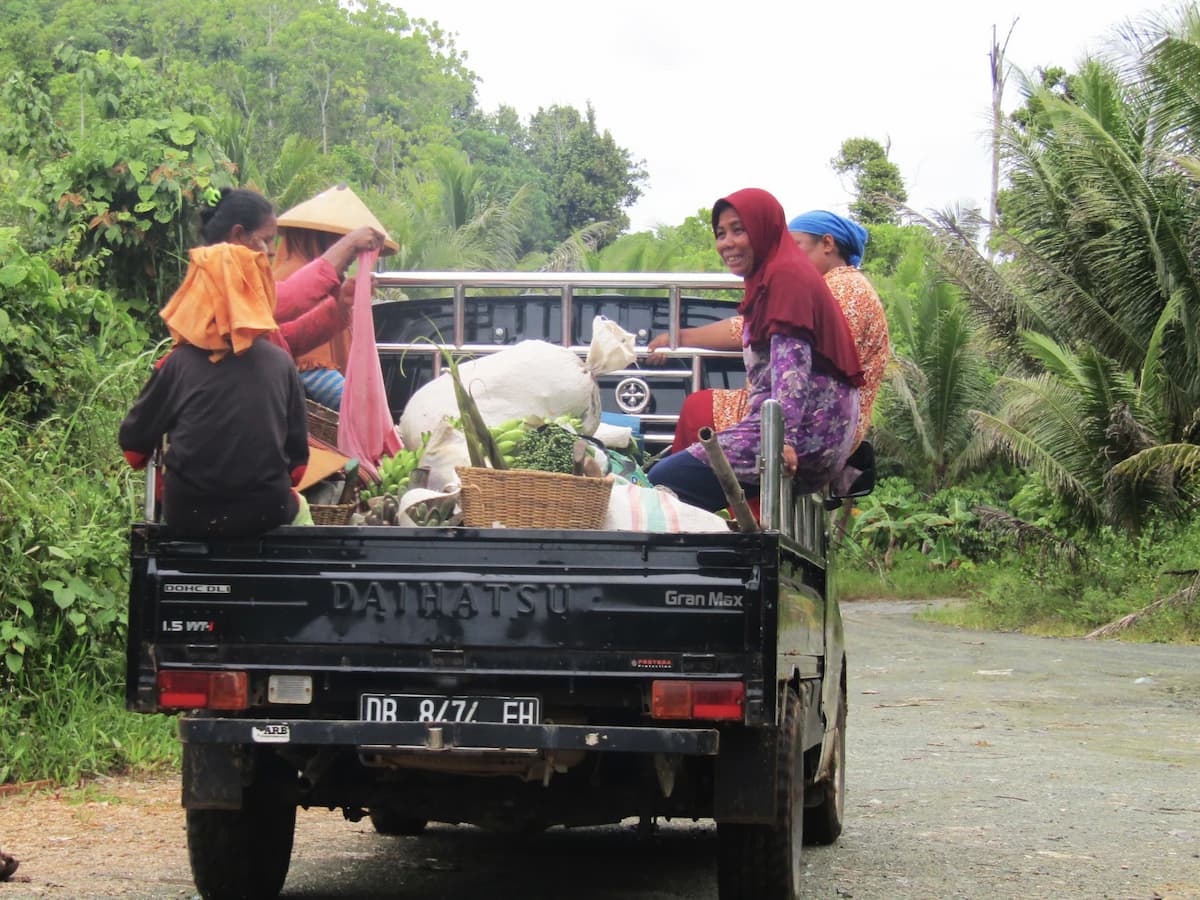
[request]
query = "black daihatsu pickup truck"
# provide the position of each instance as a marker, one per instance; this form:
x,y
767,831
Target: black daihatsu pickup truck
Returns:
x,y
516,679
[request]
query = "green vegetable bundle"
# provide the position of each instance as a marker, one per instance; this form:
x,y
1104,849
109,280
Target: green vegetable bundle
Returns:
x,y
550,448
395,471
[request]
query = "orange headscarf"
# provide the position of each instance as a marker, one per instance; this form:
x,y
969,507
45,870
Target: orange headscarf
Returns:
x,y
226,300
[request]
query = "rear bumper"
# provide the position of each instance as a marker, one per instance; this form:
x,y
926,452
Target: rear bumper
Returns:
x,y
450,736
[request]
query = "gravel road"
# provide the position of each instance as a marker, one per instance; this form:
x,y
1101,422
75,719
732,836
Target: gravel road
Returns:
x,y
981,765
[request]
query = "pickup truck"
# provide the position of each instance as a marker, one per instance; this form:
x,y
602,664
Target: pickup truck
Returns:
x,y
516,679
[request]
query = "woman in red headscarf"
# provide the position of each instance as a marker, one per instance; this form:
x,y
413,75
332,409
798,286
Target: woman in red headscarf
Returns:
x,y
798,350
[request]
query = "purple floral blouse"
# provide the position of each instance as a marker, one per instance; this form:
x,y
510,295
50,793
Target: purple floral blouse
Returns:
x,y
820,414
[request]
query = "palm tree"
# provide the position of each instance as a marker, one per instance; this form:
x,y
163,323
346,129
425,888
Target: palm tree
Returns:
x,y
1097,288
447,222
941,376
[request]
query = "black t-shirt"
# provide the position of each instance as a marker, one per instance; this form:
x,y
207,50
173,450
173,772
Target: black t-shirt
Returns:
x,y
237,430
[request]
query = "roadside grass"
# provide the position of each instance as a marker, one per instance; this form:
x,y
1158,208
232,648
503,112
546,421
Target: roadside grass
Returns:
x,y
1025,593
76,727
911,577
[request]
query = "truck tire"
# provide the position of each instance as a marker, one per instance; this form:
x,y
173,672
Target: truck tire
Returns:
x,y
391,822
823,821
242,854
762,862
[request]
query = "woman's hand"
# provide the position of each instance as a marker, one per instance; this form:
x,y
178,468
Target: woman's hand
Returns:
x,y
790,462
346,293
364,238
345,249
658,342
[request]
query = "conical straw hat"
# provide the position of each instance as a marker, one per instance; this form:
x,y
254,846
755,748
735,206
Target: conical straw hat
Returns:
x,y
337,210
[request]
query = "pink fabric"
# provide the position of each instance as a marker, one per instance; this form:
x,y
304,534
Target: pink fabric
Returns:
x,y
365,428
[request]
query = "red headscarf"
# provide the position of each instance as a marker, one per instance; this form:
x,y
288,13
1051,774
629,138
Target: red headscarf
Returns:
x,y
785,294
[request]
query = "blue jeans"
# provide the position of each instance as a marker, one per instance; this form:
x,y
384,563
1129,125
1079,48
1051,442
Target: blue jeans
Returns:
x,y
693,481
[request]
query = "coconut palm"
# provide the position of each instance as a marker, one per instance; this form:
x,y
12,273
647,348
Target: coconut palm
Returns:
x,y
1099,277
447,222
941,376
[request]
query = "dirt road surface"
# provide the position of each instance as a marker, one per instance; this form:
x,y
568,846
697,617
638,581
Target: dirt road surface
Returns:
x,y
981,765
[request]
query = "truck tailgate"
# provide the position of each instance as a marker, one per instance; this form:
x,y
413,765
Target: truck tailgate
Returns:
x,y
466,598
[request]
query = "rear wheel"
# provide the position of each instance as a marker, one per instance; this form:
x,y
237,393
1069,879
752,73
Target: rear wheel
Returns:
x,y
243,854
762,862
823,821
391,822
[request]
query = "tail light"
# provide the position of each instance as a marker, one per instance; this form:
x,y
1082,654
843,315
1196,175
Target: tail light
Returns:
x,y
698,700
202,690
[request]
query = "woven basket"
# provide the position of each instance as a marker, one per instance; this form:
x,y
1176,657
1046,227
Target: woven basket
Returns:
x,y
333,514
522,498
322,422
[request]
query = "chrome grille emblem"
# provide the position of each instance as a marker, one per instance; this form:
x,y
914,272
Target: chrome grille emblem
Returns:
x,y
633,395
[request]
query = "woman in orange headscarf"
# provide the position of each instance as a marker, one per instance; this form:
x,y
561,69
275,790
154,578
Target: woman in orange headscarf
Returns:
x,y
229,398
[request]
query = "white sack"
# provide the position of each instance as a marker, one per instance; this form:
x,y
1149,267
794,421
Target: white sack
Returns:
x,y
634,508
531,378
616,436
612,347
417,505
447,448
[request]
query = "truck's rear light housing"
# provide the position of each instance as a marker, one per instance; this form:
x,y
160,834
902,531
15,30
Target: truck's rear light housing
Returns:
x,y
202,690
698,700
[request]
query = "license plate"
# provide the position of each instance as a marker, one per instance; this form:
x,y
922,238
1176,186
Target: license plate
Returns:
x,y
441,708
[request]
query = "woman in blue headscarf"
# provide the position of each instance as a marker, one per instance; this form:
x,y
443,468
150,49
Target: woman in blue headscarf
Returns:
x,y
835,245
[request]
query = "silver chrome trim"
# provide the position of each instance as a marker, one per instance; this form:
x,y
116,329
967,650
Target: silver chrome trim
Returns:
x,y
771,464
696,281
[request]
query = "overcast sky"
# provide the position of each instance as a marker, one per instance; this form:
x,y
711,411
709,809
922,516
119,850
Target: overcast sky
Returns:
x,y
715,96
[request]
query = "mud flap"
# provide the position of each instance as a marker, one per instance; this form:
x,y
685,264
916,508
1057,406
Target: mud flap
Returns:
x,y
745,776
214,776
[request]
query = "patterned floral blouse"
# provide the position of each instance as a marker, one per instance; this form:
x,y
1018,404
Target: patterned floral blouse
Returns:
x,y
820,413
868,324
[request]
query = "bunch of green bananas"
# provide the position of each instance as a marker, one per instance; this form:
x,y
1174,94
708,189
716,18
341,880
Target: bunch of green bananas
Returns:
x,y
509,437
395,471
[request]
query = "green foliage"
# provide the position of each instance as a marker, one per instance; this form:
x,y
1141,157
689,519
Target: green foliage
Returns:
x,y
116,170
941,377
1037,594
67,502
592,178
67,722
295,95
46,319
878,185
1097,288
909,578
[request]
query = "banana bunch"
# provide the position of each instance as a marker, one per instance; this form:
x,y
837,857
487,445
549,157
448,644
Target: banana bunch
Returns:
x,y
509,437
395,471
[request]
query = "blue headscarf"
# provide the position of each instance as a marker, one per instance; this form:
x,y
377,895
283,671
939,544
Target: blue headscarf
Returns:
x,y
850,236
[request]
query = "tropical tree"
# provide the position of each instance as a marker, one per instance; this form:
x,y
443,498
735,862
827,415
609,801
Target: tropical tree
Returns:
x,y
447,221
941,375
589,178
878,185
1098,239
113,159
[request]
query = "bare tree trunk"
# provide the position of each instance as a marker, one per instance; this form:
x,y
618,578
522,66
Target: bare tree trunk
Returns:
x,y
999,77
324,110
